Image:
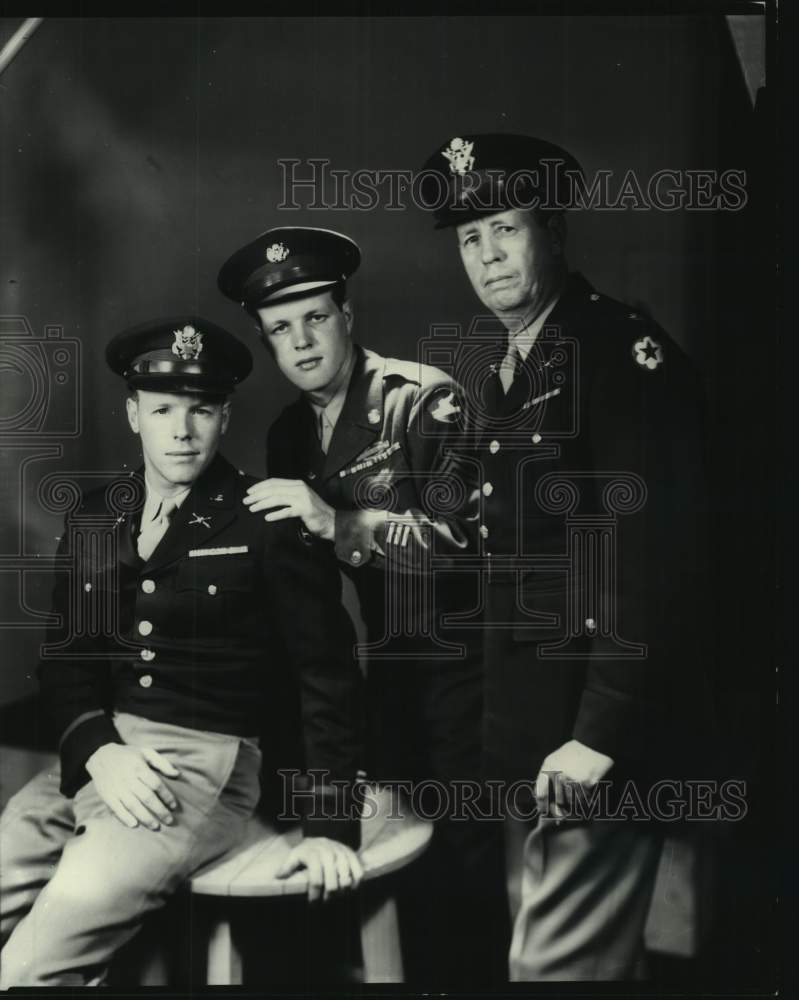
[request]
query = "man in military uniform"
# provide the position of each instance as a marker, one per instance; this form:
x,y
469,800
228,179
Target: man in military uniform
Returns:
x,y
371,458
159,708
587,433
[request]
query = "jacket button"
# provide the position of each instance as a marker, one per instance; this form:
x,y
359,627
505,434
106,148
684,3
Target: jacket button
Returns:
x,y
356,557
594,297
145,681
590,624
87,587
148,586
483,531
148,655
212,588
488,489
494,447
145,628
536,438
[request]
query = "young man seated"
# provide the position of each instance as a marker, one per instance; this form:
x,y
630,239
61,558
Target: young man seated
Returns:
x,y
158,712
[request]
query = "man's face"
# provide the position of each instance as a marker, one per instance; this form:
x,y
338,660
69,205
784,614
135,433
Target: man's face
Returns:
x,y
513,263
179,434
309,337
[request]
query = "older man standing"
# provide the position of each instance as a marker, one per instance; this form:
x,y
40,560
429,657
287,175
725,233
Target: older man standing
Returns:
x,y
588,436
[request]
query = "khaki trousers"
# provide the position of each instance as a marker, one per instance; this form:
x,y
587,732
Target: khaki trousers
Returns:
x,y
579,894
76,883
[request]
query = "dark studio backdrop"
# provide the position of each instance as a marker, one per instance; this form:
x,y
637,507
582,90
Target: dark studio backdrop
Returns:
x,y
138,153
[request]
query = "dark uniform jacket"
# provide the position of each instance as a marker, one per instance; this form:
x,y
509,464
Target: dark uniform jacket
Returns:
x,y
593,535
397,448
204,633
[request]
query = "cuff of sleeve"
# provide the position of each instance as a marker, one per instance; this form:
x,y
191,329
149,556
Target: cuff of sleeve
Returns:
x,y
359,535
612,724
78,745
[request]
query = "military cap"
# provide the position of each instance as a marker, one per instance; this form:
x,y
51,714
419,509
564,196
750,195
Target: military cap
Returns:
x,y
179,354
293,260
476,175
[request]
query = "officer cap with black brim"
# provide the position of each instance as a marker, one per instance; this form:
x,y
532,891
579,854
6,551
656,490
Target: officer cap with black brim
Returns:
x,y
290,261
180,354
472,176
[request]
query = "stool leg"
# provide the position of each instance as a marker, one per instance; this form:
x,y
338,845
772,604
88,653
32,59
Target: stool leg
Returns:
x,y
154,970
380,941
224,959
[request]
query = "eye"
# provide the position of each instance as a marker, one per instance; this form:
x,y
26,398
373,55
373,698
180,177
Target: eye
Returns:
x,y
278,329
505,229
160,409
318,317
469,240
203,410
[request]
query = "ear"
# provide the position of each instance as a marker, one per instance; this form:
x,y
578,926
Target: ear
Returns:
x,y
225,415
556,224
132,407
349,315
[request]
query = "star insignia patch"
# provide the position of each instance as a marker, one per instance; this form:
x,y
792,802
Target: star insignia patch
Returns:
x,y
648,353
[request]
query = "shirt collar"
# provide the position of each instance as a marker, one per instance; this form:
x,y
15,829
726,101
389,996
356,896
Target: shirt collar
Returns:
x,y
332,410
154,499
524,339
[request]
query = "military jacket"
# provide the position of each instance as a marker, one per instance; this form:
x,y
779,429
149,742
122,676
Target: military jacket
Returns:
x,y
593,523
205,633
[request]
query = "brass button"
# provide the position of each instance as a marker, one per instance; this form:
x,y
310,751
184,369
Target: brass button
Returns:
x,y
212,589
494,447
146,681
483,531
356,558
87,587
148,655
148,586
590,624
536,438
145,628
488,489
594,297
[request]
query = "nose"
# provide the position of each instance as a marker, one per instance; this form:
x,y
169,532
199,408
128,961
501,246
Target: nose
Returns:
x,y
301,336
181,425
491,250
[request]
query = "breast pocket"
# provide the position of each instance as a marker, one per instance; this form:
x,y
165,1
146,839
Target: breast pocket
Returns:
x,y
213,594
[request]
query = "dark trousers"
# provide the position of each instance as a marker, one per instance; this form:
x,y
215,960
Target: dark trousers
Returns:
x,y
425,718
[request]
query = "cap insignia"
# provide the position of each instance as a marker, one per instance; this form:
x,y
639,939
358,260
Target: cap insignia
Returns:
x,y
188,343
459,154
277,253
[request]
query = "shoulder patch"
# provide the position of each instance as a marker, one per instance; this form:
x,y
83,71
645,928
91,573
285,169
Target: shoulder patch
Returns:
x,y
648,353
444,406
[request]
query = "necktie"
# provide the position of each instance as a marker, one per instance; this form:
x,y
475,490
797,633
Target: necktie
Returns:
x,y
508,368
325,431
154,530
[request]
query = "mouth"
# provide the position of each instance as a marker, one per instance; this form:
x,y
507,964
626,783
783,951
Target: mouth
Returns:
x,y
308,364
183,454
498,280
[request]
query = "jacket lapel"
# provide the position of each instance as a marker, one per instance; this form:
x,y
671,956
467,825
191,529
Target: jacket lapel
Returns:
x,y
208,509
361,418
